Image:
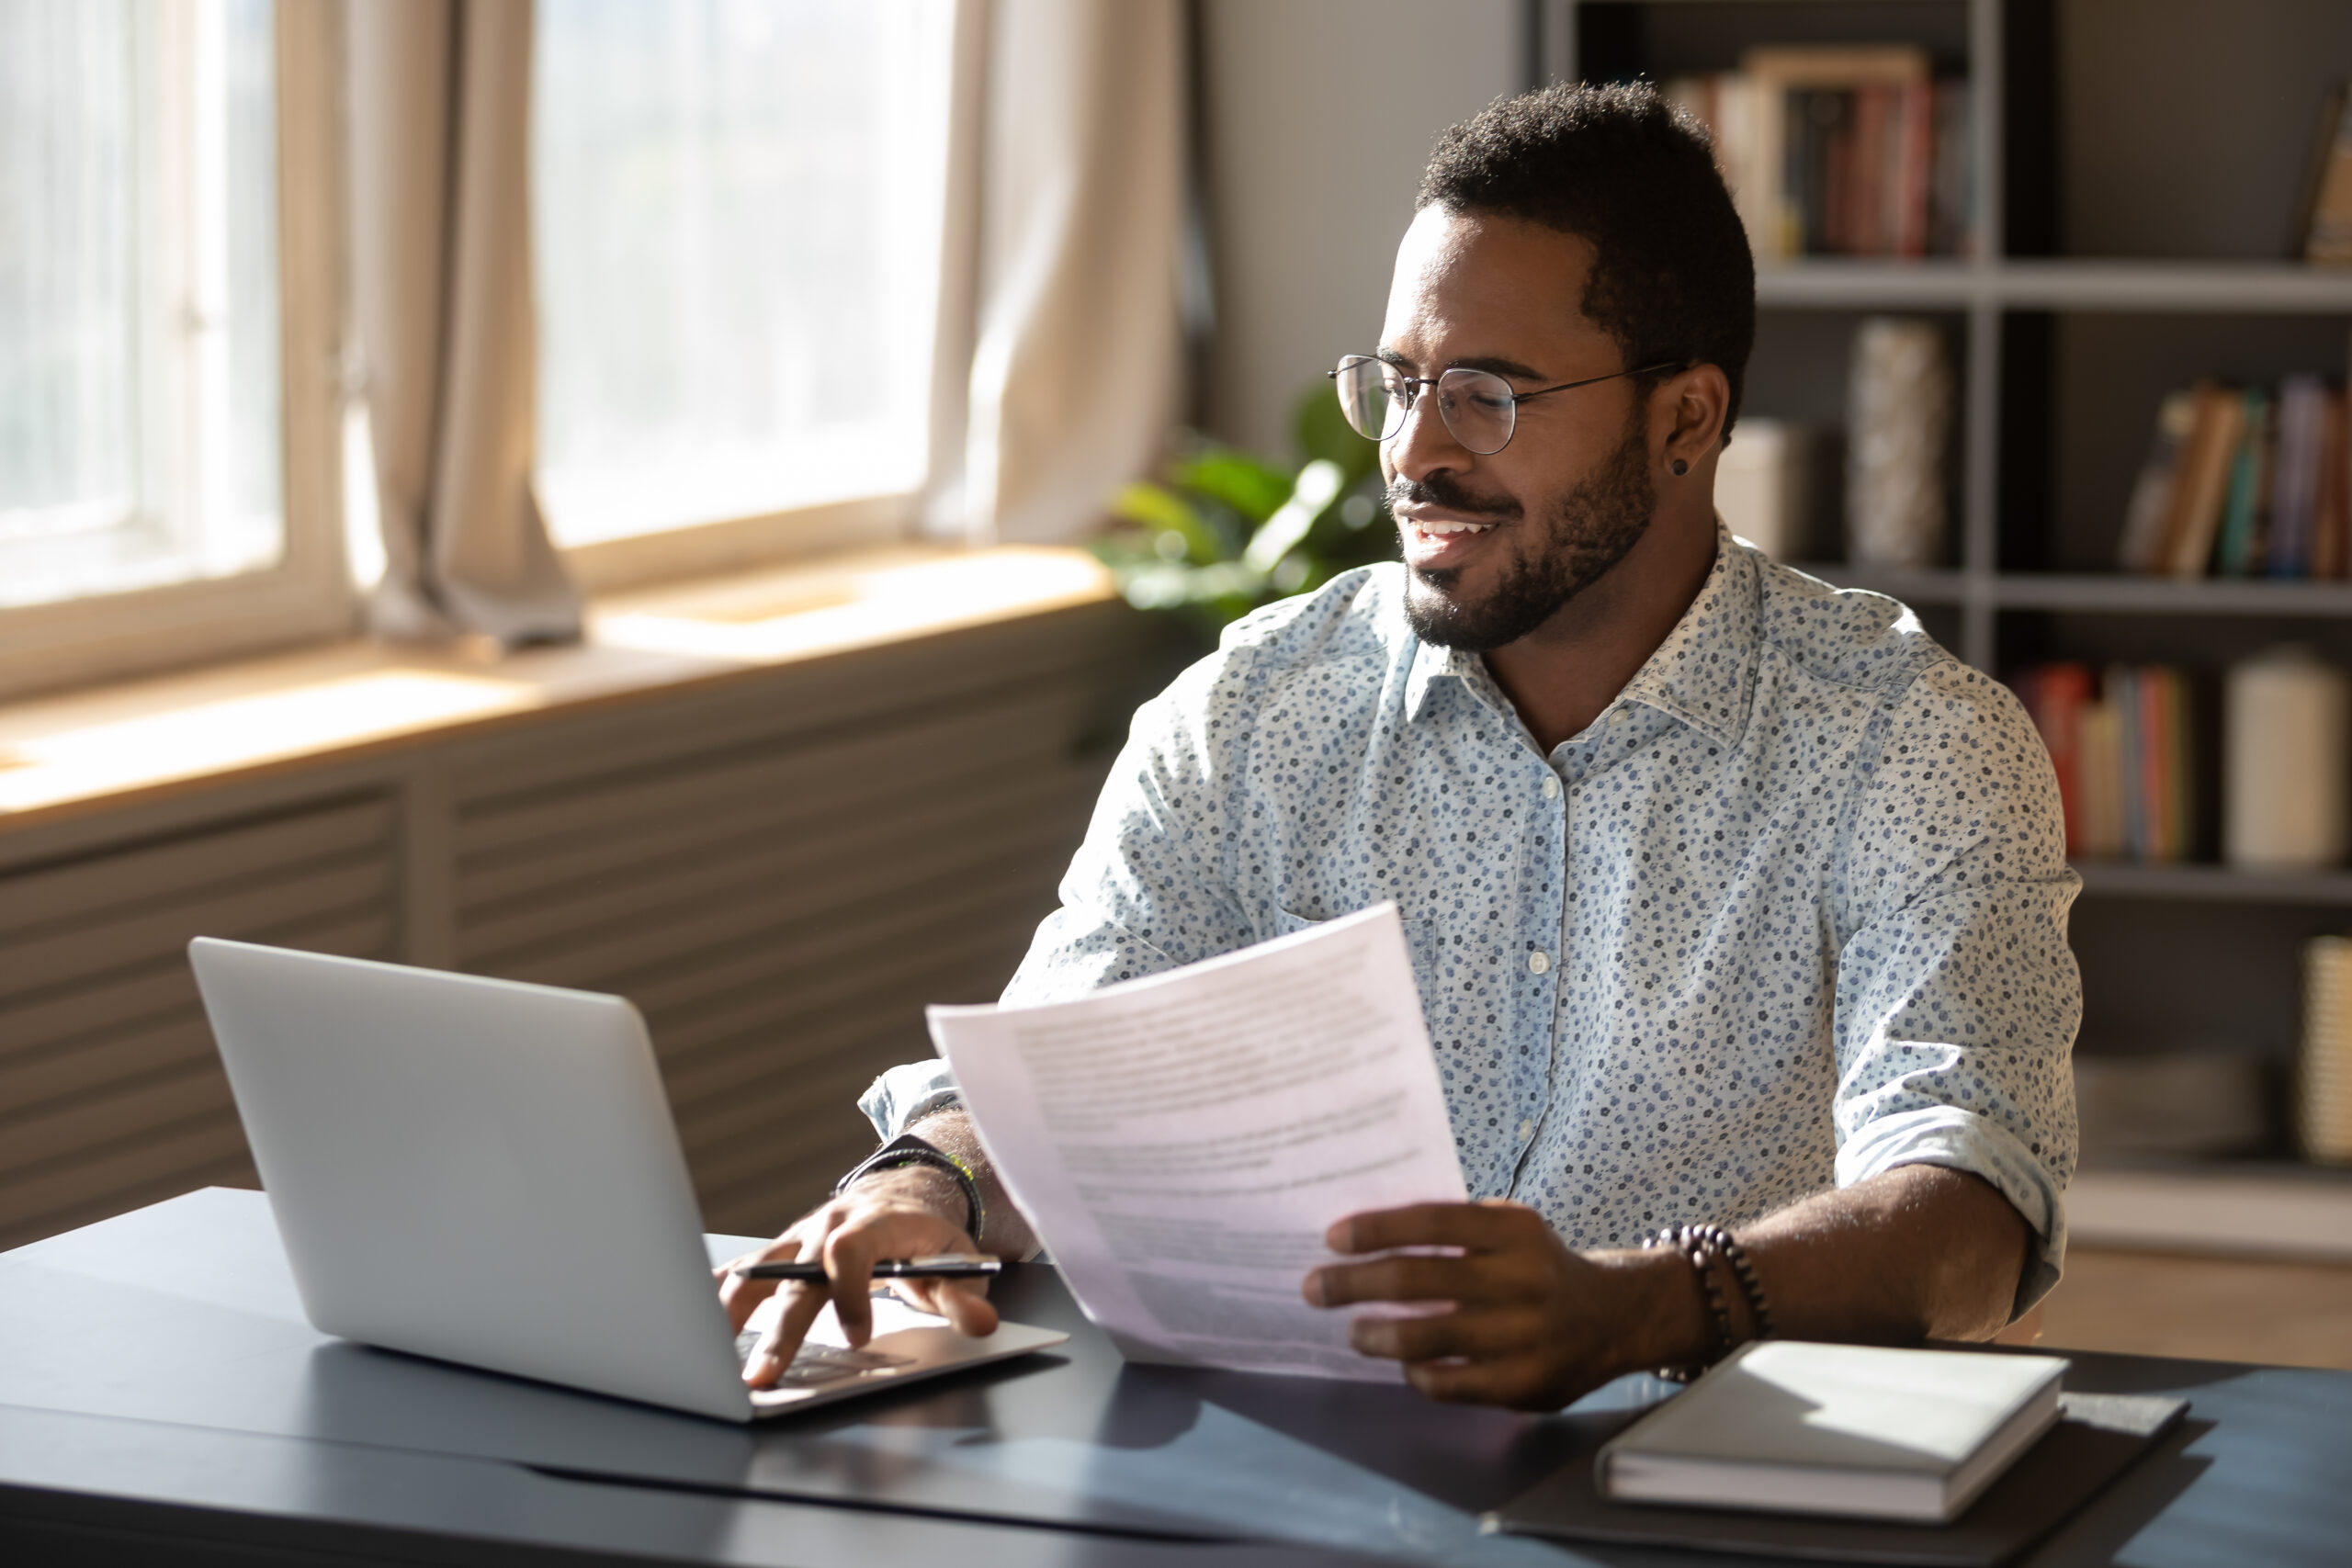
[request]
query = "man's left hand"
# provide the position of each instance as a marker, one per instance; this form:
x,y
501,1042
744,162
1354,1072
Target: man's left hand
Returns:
x,y
1534,1324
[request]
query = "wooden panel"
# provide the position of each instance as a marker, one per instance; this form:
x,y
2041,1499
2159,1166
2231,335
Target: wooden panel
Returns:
x,y
86,953
682,909
708,796
111,1090
1103,647
198,865
135,998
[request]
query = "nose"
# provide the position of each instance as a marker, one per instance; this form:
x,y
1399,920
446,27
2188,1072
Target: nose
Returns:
x,y
1423,444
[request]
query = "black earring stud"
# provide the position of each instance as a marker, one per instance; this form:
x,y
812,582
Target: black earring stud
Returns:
x,y
1679,467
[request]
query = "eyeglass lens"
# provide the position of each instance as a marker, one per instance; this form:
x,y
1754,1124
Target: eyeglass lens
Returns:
x,y
1476,406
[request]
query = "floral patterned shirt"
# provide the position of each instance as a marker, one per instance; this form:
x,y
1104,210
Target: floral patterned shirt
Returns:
x,y
1791,912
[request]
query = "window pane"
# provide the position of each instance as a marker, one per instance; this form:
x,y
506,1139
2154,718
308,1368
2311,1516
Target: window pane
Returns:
x,y
139,346
736,209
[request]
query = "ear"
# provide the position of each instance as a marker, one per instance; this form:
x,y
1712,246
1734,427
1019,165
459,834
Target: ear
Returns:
x,y
1687,418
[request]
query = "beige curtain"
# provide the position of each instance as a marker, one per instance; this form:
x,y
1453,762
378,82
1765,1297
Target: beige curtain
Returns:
x,y
441,282
1067,196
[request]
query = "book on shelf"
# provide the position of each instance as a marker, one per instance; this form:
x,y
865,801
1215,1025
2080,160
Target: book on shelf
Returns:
x,y
1840,149
2120,743
2324,230
2244,481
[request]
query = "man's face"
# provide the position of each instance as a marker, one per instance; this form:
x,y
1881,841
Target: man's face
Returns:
x,y
1495,545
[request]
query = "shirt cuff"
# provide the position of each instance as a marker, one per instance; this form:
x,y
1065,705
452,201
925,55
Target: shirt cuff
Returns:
x,y
1961,1140
906,1094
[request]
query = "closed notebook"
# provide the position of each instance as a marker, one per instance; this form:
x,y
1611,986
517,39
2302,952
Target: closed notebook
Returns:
x,y
1849,1430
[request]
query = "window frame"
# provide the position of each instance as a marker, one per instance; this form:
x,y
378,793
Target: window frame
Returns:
x,y
308,596
930,513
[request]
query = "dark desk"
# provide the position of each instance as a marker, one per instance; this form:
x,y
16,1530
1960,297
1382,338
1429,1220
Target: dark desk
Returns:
x,y
157,1382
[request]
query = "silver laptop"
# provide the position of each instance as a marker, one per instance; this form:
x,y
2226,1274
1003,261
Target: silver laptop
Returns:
x,y
487,1172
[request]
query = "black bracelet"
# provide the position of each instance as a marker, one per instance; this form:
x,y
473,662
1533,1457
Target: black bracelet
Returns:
x,y
1701,1246
1745,1272
907,1149
1697,1251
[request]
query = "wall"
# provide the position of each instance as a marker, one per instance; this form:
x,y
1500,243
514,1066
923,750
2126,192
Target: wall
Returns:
x,y
1318,116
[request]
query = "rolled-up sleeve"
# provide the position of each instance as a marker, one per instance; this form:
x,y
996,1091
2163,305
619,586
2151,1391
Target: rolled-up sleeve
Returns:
x,y
1958,998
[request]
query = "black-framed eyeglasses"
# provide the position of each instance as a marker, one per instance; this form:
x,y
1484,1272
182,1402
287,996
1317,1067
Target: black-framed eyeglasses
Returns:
x,y
1477,406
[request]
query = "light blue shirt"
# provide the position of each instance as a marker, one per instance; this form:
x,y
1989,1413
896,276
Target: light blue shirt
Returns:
x,y
1792,912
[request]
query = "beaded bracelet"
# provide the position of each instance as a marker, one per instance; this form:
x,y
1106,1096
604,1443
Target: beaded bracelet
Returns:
x,y
1759,1313
1697,1253
1701,1246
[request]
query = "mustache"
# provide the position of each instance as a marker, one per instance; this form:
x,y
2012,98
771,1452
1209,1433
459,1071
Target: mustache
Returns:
x,y
1442,491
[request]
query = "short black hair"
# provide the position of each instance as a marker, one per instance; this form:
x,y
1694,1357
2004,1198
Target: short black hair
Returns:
x,y
1623,169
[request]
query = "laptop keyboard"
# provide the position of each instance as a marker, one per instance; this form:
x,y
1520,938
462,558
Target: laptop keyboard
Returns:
x,y
817,1365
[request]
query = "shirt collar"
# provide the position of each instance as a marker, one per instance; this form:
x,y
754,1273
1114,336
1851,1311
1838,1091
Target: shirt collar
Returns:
x,y
1703,673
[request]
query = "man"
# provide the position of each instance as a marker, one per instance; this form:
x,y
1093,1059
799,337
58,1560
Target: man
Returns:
x,y
1733,899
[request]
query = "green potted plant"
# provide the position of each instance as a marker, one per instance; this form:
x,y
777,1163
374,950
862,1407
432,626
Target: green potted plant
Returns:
x,y
1225,531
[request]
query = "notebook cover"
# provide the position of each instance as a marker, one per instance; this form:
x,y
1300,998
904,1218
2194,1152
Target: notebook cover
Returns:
x,y
2098,1438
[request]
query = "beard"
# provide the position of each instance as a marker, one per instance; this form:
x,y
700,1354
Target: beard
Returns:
x,y
1571,547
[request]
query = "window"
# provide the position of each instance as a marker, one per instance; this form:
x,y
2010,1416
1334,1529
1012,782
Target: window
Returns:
x,y
736,230
144,473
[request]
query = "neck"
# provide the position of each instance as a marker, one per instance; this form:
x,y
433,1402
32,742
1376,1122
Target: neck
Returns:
x,y
1565,674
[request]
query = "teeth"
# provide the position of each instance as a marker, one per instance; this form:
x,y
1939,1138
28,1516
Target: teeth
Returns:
x,y
1453,528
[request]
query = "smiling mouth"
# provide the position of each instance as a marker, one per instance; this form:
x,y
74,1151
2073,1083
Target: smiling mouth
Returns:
x,y
1439,530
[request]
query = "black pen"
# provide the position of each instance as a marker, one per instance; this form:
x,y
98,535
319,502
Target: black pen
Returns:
x,y
947,1266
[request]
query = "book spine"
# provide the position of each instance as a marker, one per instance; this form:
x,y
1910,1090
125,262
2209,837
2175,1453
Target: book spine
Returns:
x,y
2236,545
2294,488
2257,555
2330,522
1918,165
2100,771
2123,693
2181,817
2196,514
2152,743
2145,518
1872,129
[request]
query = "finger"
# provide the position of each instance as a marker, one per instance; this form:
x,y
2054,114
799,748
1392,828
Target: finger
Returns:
x,y
1484,1276
1480,1228
965,1304
739,1296
1517,1383
781,1339
850,1255
1476,1336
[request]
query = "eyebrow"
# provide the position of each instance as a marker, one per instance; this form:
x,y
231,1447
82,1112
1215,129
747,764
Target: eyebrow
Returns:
x,y
1495,365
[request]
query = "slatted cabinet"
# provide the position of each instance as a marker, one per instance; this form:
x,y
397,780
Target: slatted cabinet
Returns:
x,y
780,869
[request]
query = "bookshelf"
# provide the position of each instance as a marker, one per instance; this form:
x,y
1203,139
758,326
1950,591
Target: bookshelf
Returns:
x,y
2136,164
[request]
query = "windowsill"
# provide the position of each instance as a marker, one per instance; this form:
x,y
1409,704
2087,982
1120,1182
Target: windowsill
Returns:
x,y
133,741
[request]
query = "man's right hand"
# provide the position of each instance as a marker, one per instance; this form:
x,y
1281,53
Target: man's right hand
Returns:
x,y
891,1214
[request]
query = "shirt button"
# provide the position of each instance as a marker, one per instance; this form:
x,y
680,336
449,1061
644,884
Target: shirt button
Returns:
x,y
1616,716
1551,786
1538,962
1526,1130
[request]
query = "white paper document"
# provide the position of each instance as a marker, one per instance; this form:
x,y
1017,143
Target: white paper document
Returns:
x,y
1183,1142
